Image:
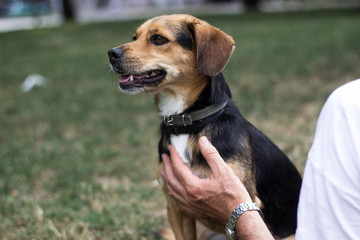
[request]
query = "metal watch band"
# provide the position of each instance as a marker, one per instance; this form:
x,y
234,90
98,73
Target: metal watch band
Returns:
x,y
239,210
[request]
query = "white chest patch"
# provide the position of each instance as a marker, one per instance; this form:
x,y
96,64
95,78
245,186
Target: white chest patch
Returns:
x,y
170,105
180,144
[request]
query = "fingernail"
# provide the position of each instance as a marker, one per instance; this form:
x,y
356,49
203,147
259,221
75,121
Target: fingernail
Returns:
x,y
204,140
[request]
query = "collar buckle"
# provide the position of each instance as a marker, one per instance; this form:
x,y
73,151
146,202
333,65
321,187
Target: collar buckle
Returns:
x,y
169,121
183,121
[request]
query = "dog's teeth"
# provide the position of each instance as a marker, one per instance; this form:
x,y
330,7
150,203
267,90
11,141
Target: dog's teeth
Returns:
x,y
153,74
131,78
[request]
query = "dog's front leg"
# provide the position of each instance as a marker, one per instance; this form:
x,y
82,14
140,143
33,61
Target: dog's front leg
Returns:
x,y
183,225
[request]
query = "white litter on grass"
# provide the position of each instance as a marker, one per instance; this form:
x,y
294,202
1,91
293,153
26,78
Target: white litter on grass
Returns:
x,y
31,81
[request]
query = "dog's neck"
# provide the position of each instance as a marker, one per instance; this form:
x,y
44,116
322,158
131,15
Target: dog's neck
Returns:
x,y
169,104
175,101
214,91
184,116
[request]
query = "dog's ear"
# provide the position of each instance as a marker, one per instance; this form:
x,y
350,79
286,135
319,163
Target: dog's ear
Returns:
x,y
213,46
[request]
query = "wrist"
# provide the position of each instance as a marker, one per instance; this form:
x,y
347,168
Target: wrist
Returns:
x,y
236,198
236,214
251,226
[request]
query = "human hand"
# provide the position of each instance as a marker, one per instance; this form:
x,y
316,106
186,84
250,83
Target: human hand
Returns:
x,y
212,198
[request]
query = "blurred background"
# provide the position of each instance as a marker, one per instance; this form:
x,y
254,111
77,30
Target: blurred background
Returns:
x,y
25,14
78,158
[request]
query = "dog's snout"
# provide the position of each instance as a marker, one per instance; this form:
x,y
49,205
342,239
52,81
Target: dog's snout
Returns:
x,y
115,54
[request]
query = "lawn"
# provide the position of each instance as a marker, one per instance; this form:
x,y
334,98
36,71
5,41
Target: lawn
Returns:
x,y
78,158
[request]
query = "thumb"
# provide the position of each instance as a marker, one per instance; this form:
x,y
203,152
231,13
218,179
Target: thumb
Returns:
x,y
211,155
181,170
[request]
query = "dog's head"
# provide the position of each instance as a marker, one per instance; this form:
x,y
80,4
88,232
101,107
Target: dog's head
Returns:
x,y
171,53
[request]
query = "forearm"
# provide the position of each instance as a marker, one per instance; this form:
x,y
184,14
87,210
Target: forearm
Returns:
x,y
250,226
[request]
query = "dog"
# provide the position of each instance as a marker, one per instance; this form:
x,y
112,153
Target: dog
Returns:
x,y
180,59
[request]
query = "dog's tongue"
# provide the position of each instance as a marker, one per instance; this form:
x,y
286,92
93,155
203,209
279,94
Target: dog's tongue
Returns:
x,y
127,78
124,79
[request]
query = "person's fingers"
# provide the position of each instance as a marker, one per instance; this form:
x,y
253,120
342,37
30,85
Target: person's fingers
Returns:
x,y
212,156
169,173
181,170
170,178
175,188
178,197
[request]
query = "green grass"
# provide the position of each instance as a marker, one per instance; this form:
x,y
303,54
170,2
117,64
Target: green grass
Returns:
x,y
77,157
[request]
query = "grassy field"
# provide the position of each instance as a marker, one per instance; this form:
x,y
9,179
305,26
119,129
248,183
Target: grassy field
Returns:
x,y
78,158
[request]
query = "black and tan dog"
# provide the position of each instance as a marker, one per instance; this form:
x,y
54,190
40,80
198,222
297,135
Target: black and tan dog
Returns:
x,y
180,59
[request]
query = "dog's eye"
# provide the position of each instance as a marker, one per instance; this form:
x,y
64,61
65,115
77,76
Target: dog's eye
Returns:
x,y
158,39
134,38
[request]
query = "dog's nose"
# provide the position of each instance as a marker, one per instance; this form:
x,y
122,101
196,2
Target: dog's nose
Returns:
x,y
115,54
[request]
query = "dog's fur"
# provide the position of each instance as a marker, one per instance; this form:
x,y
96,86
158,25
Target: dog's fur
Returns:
x,y
180,59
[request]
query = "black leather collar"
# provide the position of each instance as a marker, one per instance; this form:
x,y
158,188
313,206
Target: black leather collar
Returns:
x,y
195,121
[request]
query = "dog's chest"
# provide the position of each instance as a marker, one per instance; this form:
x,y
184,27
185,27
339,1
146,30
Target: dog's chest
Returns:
x,y
169,105
180,143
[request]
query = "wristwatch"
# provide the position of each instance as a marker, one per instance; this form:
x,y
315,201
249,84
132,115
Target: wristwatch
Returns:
x,y
239,210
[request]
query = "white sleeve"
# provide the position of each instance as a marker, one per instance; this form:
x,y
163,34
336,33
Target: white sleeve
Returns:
x,y
329,206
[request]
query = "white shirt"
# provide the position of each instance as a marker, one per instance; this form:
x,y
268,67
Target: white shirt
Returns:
x,y
329,206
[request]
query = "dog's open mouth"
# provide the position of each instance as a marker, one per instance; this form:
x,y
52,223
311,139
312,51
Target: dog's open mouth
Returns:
x,y
149,77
